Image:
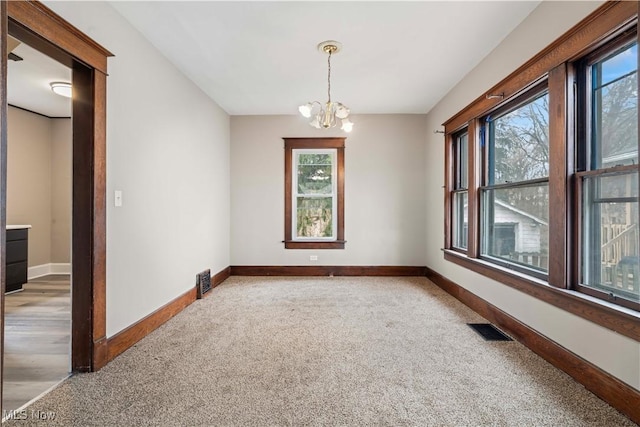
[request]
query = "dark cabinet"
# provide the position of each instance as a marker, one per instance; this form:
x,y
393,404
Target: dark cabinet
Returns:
x,y
16,258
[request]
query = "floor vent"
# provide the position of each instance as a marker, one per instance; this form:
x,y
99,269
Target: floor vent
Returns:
x,y
203,283
489,332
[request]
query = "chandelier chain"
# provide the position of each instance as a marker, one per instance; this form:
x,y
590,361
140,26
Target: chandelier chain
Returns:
x,y
329,76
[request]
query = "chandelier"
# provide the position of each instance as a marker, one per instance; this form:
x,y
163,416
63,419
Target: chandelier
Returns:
x,y
325,116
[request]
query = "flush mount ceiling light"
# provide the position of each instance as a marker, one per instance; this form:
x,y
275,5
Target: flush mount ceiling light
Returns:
x,y
61,88
325,116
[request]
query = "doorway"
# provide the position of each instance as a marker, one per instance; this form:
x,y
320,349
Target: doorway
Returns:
x,y
36,25
37,333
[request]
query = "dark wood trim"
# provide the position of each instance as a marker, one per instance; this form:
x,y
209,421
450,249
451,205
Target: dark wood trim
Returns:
x,y
473,195
610,389
449,160
313,143
337,142
3,179
125,339
82,221
559,173
33,18
36,25
326,270
316,244
36,113
220,277
591,32
99,225
616,318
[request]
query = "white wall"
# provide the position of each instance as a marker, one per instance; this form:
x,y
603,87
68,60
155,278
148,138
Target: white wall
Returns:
x,y
384,191
168,152
612,352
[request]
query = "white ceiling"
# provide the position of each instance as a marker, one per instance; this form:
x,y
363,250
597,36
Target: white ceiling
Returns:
x,y
261,58
28,83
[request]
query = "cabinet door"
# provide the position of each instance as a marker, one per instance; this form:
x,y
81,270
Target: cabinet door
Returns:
x,y
16,276
16,251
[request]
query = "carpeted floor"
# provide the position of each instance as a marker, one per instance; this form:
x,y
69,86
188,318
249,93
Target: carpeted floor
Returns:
x,y
324,351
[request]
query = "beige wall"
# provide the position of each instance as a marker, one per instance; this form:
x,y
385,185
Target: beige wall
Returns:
x,y
39,183
614,353
384,191
61,182
168,152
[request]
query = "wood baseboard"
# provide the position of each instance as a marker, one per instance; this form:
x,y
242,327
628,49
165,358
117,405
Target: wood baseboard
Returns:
x,y
123,340
610,389
326,270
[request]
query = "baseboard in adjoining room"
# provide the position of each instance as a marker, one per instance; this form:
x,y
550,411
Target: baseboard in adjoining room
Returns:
x,y
616,393
47,269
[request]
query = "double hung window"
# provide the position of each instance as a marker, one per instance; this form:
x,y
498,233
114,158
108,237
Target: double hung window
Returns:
x,y
314,193
608,183
515,200
460,194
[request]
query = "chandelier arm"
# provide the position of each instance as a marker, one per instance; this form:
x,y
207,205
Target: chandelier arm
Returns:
x,y
329,76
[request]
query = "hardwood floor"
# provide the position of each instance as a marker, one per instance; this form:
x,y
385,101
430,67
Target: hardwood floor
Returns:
x,y
37,339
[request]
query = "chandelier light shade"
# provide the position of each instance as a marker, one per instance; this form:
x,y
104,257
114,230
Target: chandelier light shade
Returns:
x,y
327,115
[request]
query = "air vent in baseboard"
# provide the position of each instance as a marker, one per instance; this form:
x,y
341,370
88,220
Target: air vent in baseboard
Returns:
x,y
203,283
489,332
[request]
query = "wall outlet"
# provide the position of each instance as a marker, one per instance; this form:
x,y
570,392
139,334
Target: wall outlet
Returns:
x,y
313,257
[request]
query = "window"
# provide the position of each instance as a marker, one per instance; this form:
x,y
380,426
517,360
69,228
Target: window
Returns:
x,y
314,193
515,200
459,193
609,185
551,201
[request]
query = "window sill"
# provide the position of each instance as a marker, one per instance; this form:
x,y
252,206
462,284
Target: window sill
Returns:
x,y
611,316
317,244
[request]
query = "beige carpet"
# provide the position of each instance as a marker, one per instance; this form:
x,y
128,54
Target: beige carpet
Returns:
x,y
325,351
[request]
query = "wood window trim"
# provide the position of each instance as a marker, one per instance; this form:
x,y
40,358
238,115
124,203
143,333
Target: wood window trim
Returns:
x,y
291,144
606,23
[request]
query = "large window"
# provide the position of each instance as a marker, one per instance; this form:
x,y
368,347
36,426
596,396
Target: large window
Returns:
x,y
314,193
609,184
550,205
515,200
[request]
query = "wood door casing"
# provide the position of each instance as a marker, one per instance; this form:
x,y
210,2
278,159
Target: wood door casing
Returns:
x,y
36,25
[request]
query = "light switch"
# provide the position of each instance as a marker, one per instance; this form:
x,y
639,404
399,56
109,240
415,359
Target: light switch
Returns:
x,y
118,198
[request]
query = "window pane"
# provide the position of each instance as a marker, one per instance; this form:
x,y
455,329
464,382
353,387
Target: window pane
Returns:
x,y
314,217
515,225
462,161
610,229
315,174
615,110
519,143
460,220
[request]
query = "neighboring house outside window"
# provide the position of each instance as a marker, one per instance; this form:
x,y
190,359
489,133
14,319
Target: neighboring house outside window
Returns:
x,y
314,193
